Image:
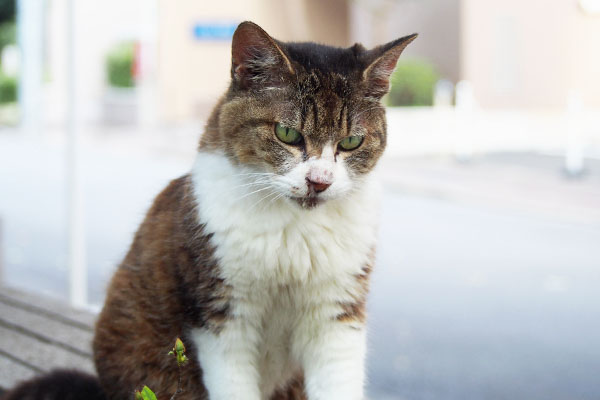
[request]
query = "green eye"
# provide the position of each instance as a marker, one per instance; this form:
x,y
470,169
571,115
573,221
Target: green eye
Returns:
x,y
287,135
351,142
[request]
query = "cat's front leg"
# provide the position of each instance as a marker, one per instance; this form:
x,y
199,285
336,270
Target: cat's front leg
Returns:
x,y
333,355
228,361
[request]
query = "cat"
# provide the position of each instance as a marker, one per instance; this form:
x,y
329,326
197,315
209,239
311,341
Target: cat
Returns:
x,y
259,258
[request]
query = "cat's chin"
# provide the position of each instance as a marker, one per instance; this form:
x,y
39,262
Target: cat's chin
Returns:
x,y
307,202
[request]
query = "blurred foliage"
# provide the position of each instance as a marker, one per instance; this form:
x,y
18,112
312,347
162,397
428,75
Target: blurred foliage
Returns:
x,y
119,65
8,10
8,33
413,84
8,84
9,114
8,89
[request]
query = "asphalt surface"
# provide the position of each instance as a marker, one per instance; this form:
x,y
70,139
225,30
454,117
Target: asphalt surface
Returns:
x,y
476,303
486,285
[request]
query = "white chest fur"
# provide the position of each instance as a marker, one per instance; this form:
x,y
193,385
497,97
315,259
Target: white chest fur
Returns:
x,y
276,242
283,263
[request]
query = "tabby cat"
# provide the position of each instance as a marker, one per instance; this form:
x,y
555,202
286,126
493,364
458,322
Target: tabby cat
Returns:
x,y
259,258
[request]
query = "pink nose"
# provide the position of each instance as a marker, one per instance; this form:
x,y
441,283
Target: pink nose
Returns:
x,y
317,186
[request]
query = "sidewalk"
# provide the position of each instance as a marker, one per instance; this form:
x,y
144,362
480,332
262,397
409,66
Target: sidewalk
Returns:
x,y
528,183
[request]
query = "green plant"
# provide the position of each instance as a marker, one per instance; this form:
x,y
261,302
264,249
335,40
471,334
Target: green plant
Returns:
x,y
119,65
145,394
179,352
8,33
8,9
412,84
8,89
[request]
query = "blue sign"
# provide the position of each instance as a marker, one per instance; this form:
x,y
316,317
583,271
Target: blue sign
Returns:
x,y
214,31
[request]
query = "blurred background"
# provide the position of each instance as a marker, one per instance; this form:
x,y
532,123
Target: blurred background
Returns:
x,y
488,276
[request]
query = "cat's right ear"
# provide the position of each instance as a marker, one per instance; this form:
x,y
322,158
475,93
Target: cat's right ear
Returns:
x,y
382,62
256,58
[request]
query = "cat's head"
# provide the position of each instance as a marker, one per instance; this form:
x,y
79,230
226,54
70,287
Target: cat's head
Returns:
x,y
304,118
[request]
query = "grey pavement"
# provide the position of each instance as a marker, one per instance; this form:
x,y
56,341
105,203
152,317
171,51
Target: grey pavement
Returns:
x,y
475,302
529,183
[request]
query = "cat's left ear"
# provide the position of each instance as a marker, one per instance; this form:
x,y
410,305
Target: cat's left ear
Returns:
x,y
383,62
257,59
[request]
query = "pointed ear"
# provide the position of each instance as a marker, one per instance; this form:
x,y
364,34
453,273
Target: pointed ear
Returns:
x,y
383,61
256,58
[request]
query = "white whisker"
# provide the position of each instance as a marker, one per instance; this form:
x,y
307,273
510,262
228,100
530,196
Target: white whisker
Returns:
x,y
262,199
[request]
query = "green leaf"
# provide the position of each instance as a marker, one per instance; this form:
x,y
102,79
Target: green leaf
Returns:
x,y
179,347
148,394
179,352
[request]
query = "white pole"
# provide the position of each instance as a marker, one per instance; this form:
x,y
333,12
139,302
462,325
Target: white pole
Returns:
x,y
30,35
147,89
1,254
443,93
76,232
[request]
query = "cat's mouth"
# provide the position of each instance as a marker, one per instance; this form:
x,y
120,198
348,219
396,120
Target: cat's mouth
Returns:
x,y
307,201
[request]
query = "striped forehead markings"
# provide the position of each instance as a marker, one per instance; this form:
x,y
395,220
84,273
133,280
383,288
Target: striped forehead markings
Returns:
x,y
310,103
315,111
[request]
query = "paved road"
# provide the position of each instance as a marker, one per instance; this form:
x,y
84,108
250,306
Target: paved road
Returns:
x,y
476,303
471,299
